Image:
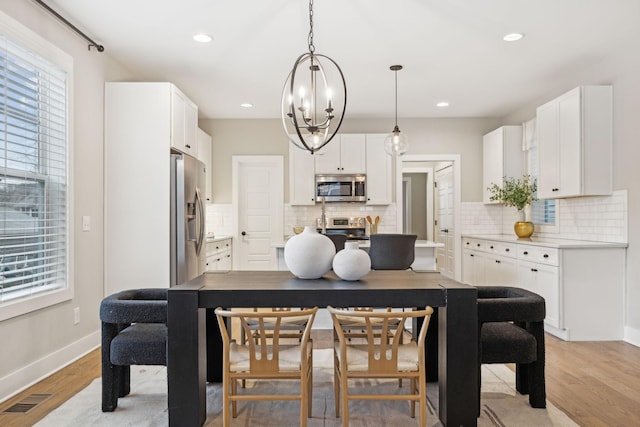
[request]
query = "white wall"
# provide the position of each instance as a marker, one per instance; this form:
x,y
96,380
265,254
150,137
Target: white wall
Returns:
x,y
38,343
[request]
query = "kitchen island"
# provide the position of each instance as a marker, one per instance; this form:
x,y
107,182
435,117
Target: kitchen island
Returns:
x,y
425,254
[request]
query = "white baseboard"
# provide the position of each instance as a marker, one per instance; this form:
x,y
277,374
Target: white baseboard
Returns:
x,y
17,381
632,336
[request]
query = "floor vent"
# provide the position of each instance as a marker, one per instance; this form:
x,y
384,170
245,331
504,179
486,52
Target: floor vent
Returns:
x,y
28,403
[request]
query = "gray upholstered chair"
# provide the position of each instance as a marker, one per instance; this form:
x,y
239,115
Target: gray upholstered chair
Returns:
x,y
392,251
511,330
338,240
134,332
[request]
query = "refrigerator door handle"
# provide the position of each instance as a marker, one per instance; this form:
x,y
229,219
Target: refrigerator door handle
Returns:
x,y
201,223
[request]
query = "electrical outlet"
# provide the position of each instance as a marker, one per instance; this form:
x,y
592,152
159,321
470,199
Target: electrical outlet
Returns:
x,y
86,223
76,315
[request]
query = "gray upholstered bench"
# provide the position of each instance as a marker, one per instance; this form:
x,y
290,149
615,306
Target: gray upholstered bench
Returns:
x,y
134,332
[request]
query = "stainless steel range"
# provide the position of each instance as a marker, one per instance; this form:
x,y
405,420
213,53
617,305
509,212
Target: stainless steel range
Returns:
x,y
353,227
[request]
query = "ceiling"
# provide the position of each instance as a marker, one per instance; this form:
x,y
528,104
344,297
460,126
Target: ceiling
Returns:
x,y
451,49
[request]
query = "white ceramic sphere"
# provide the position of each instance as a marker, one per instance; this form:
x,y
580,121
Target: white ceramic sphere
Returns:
x,y
351,263
309,255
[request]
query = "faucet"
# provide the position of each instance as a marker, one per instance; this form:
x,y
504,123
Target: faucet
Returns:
x,y
323,217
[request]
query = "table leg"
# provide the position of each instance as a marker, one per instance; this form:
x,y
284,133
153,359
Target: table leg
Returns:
x,y
186,359
214,348
458,357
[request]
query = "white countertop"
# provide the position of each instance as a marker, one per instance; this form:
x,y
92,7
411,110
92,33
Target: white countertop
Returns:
x,y
212,239
365,244
546,241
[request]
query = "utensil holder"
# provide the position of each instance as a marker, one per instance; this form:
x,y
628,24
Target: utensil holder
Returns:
x,y
373,228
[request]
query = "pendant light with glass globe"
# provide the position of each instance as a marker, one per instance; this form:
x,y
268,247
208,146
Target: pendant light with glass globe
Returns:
x,y
396,143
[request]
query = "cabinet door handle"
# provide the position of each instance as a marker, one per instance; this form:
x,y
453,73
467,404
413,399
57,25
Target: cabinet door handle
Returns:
x,y
497,261
244,233
188,146
506,250
525,253
491,247
534,270
545,256
467,243
478,244
471,255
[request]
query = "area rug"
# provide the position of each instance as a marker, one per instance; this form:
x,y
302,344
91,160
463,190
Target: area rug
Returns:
x,y
146,406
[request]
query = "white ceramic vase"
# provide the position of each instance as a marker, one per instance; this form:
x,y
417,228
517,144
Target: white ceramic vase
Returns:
x,y
309,255
351,263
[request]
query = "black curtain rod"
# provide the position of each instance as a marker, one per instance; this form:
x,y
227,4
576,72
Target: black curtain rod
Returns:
x,y
98,47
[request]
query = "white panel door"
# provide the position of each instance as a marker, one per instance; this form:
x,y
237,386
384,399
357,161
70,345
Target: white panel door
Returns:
x,y
258,194
445,190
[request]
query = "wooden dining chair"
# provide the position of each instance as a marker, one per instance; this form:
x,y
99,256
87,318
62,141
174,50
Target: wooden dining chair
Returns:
x,y
380,358
264,357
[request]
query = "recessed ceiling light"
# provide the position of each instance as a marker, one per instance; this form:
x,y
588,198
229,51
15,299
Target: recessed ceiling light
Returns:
x,y
246,105
442,104
513,37
202,38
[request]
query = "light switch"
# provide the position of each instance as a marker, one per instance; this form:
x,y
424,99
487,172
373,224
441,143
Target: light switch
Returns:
x,y
86,223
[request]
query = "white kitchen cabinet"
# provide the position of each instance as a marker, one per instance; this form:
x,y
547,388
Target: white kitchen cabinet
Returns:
x,y
491,263
543,280
576,279
204,155
345,154
219,254
138,133
184,123
574,133
301,176
502,156
379,171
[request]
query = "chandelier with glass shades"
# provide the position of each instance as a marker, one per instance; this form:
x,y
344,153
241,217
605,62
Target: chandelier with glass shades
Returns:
x,y
313,109
396,143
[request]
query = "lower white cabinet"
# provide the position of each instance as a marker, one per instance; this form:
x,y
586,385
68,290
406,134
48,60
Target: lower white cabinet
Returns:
x,y
582,282
543,280
219,255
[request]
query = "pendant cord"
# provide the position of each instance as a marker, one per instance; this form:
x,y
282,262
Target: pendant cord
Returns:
x,y
312,48
396,73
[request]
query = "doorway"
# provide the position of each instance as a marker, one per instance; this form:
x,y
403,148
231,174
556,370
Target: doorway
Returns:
x,y
428,165
258,203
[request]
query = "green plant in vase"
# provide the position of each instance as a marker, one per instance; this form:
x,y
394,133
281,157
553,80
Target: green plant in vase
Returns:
x,y
519,193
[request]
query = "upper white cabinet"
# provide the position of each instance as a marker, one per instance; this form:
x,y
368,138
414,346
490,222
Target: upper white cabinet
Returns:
x,y
301,176
344,154
184,123
502,156
574,134
204,155
379,171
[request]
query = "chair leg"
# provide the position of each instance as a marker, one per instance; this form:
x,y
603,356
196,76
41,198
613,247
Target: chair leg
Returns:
x,y
124,380
423,401
537,392
412,389
344,399
336,386
226,421
310,386
234,403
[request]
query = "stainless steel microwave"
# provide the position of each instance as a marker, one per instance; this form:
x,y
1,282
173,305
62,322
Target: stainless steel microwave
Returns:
x,y
341,188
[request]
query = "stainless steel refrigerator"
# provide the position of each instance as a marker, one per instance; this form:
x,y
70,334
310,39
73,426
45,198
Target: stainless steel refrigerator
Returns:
x,y
188,254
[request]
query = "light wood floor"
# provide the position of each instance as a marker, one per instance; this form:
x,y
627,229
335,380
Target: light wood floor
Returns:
x,y
595,383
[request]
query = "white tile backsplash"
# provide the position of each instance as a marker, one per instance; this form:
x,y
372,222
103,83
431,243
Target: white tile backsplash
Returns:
x,y
597,218
306,215
220,219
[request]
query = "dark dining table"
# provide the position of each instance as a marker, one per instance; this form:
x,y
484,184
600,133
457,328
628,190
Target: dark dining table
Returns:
x,y
195,347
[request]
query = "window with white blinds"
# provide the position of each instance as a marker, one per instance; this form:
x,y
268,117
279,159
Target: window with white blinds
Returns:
x,y
34,226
